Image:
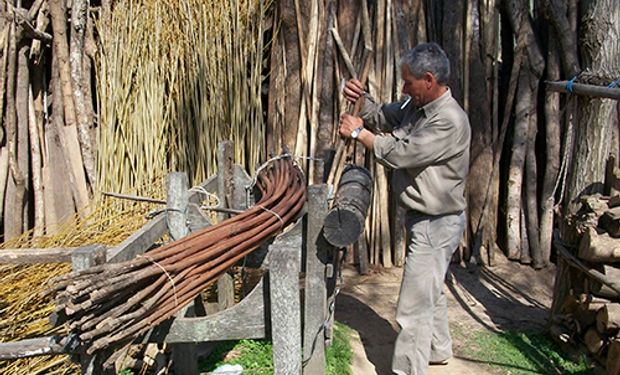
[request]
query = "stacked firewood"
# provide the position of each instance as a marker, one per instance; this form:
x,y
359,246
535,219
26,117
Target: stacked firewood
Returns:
x,y
591,313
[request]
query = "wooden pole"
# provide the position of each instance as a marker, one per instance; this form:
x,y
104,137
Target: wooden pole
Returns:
x,y
584,89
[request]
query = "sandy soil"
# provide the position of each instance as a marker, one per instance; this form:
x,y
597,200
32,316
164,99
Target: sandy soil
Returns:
x,y
506,296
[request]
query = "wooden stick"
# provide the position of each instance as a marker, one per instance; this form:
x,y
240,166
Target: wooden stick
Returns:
x,y
343,52
593,274
584,89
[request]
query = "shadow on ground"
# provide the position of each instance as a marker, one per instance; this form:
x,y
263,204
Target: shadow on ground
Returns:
x,y
376,333
502,299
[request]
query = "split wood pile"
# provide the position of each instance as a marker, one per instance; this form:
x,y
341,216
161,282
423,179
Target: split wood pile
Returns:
x,y
108,306
591,313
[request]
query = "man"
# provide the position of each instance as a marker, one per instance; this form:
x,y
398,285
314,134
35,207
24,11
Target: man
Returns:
x,y
426,142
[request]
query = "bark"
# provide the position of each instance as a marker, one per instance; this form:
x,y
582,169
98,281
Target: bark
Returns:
x,y
595,247
524,251
531,172
12,202
518,16
483,127
517,161
593,340
35,154
608,319
552,143
292,85
60,204
326,104
452,43
79,13
556,12
66,123
61,52
613,357
600,49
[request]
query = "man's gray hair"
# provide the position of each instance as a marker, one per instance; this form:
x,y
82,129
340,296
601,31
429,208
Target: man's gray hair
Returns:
x,y
428,57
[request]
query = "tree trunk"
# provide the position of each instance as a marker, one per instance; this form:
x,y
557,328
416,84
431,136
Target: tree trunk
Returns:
x,y
552,142
13,199
531,172
483,129
601,52
292,84
517,161
79,14
326,104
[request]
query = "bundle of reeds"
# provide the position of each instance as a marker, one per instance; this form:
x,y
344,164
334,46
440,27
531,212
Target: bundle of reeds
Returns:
x,y
175,78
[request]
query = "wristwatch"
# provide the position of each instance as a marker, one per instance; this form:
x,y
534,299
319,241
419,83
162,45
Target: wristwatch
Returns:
x,y
356,132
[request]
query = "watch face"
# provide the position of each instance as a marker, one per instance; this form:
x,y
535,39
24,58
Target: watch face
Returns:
x,y
355,133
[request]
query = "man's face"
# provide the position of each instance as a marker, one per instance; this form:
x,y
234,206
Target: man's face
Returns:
x,y
416,88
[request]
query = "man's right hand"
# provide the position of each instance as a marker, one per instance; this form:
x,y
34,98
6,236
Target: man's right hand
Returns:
x,y
352,90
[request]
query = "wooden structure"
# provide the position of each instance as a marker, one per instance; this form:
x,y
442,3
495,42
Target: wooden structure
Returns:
x,y
272,309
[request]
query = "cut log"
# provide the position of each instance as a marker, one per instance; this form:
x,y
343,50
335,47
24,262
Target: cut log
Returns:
x,y
614,201
610,221
608,319
595,247
593,340
345,221
613,358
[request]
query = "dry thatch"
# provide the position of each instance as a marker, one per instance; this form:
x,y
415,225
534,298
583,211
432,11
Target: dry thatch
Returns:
x,y
175,78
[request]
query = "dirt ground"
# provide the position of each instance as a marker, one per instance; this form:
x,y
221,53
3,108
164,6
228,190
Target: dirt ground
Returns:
x,y
506,296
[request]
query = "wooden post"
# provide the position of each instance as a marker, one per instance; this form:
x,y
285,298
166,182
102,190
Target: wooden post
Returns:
x,y
184,357
225,285
284,266
315,301
82,259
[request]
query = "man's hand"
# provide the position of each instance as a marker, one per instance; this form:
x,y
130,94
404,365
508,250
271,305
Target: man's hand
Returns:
x,y
352,90
349,123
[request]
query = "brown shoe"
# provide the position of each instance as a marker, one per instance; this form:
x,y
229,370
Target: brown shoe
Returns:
x,y
443,362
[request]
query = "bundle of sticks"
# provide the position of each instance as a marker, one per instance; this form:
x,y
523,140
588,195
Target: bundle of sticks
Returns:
x,y
110,305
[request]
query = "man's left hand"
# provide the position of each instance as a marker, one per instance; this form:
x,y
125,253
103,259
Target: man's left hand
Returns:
x,y
349,123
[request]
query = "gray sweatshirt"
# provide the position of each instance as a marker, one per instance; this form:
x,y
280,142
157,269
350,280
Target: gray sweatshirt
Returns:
x,y
427,147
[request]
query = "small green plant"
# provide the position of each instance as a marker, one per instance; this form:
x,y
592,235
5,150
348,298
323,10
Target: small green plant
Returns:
x,y
255,356
522,353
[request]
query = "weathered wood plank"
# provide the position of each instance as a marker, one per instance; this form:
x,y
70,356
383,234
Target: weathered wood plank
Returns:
x,y
30,256
315,301
285,257
33,347
225,284
140,241
244,320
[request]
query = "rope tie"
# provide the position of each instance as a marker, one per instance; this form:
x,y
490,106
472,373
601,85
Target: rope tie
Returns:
x,y
571,82
614,83
273,213
174,288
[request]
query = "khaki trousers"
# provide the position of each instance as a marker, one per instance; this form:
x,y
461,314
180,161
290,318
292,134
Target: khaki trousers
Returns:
x,y
422,311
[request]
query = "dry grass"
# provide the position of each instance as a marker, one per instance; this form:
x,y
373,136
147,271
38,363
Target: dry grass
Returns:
x,y
177,77
24,311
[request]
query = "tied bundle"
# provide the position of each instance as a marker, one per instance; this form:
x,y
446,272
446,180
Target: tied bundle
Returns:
x,y
109,306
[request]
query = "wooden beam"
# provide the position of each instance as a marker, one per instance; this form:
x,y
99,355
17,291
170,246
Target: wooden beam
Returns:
x,y
30,256
585,90
33,347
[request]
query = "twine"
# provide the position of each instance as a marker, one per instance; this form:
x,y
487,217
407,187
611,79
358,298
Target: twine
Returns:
x,y
174,288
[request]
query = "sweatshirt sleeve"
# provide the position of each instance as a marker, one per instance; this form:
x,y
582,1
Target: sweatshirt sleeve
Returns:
x,y
434,142
381,118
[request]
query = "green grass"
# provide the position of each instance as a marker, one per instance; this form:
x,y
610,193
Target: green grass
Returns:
x,y
521,353
255,356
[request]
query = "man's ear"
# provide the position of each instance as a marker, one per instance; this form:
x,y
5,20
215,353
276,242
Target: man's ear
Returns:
x,y
429,79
